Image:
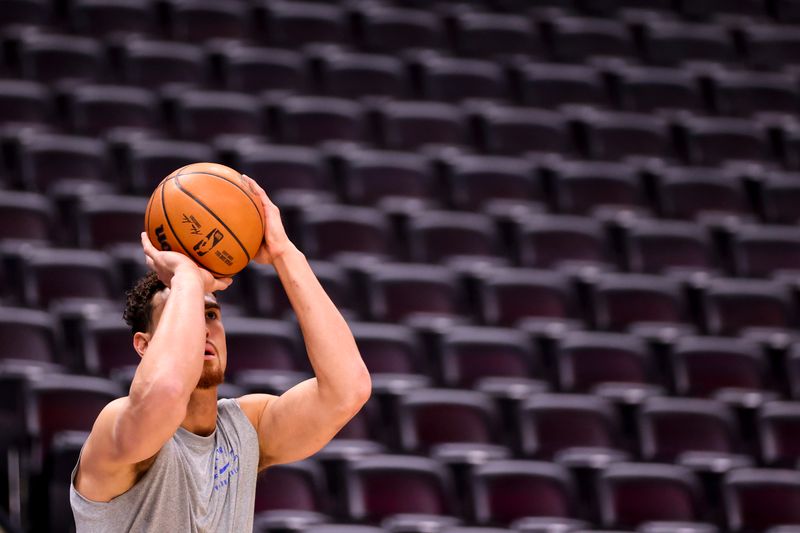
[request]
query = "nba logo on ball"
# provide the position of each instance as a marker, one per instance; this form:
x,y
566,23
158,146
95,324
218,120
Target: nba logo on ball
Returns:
x,y
207,212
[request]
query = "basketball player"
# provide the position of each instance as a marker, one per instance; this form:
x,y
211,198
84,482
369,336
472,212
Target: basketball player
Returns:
x,y
170,457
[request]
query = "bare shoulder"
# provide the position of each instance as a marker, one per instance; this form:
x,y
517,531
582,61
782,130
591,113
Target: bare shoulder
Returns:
x,y
99,477
253,406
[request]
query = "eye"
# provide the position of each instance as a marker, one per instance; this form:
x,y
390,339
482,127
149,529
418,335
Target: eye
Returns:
x,y
211,315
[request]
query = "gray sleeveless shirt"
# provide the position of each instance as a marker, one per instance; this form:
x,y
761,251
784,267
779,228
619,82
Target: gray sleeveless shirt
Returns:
x,y
196,484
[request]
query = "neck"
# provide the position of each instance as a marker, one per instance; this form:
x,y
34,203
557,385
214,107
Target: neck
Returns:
x,y
201,413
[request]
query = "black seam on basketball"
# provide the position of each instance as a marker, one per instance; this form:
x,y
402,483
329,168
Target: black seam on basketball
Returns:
x,y
188,253
235,185
212,213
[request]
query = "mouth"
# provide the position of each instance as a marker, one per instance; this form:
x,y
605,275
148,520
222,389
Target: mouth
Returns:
x,y
210,352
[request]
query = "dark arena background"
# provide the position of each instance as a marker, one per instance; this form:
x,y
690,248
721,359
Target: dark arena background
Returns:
x,y
563,233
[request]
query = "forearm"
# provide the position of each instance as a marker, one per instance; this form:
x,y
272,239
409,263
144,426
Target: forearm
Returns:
x,y
341,374
173,362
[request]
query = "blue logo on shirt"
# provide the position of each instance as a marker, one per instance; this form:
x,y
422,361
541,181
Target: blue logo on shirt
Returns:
x,y
226,465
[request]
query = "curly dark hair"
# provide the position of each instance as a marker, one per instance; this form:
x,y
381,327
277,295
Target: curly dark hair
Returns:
x,y
139,302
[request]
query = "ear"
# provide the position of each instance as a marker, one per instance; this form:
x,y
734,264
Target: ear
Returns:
x,y
140,342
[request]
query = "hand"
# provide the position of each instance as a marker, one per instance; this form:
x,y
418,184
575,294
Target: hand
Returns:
x,y
276,243
167,264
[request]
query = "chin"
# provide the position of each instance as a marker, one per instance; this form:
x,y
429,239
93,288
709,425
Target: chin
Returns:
x,y
210,379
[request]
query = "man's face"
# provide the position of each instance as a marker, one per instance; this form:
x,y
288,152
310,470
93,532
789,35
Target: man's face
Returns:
x,y
215,356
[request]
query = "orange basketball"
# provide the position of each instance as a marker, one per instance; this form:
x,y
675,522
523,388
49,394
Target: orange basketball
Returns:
x,y
207,212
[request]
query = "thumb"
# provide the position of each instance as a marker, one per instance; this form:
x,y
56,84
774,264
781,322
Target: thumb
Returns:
x,y
221,284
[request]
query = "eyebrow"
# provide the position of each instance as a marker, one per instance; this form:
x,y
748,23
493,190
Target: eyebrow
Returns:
x,y
213,305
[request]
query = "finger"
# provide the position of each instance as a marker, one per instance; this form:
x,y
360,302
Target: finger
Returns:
x,y
149,249
222,283
258,190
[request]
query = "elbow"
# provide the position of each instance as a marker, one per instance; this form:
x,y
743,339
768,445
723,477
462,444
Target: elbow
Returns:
x,y
166,397
361,390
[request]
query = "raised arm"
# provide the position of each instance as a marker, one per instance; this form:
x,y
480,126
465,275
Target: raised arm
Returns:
x,y
303,419
134,428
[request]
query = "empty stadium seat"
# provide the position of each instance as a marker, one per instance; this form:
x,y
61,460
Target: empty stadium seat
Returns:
x,y
779,422
113,17
390,29
97,109
399,290
780,194
411,125
737,304
455,79
369,176
756,499
51,58
388,348
329,230
259,343
204,115
647,89
52,274
311,120
374,481
760,251
616,135
704,365
623,300
712,141
658,246
355,75
149,63
549,85
292,24
470,353
428,417
545,241
771,46
48,158
634,493
672,43
505,491
746,93
253,69
672,426
33,12
436,236
25,215
553,423
297,486
24,101
516,131
107,345
587,359
686,192
574,39
508,295
494,35
580,187
29,335
202,20
108,220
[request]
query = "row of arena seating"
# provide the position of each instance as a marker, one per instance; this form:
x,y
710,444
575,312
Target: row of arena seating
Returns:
x,y
561,232
654,35
444,455
233,121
